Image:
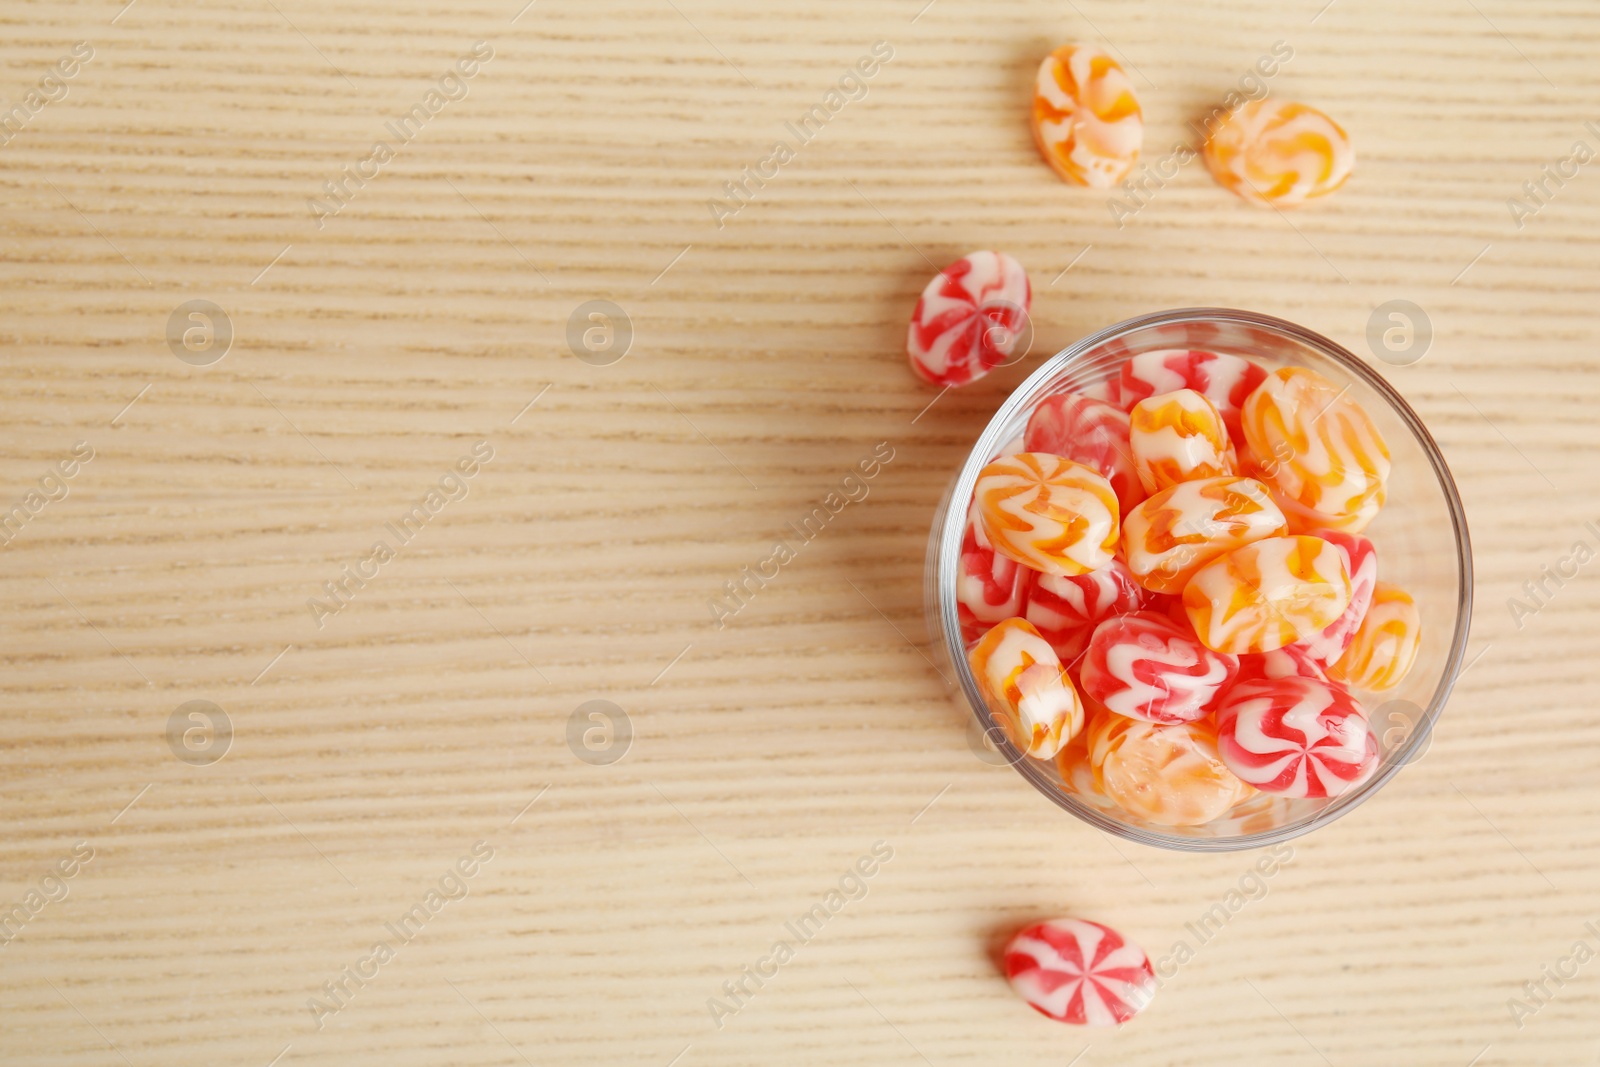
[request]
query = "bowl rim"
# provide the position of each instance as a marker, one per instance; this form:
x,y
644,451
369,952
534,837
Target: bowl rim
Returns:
x,y
954,520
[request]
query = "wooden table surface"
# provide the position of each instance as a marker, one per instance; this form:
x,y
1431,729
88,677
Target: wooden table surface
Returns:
x,y
409,756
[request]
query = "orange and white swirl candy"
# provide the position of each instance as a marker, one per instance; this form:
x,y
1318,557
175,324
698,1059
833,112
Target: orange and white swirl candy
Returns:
x,y
1280,153
1176,437
1328,465
1086,119
1267,594
1048,513
1385,645
1028,691
1168,775
1171,535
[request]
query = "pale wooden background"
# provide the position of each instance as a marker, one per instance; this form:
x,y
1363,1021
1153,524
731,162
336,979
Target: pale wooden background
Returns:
x,y
767,361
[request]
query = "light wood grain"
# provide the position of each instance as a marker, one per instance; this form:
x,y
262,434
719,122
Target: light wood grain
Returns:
x,y
766,361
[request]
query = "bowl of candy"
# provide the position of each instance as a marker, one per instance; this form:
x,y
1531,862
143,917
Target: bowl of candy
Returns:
x,y
1204,581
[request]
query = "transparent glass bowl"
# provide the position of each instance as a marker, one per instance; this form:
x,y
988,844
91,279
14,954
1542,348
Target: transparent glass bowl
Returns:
x,y
1421,537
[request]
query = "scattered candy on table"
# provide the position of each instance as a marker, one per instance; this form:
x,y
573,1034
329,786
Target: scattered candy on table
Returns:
x,y
1268,594
1076,971
1296,737
1179,530
1048,513
1086,118
969,319
1317,450
1385,645
1167,775
1177,437
1091,432
1144,666
1027,688
1066,610
1279,153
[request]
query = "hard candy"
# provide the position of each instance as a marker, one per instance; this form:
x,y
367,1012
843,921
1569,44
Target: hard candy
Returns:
x,y
1145,666
1171,535
1048,513
1168,775
1091,432
1026,687
1077,971
1086,117
1221,378
1267,594
1066,610
990,588
969,319
1361,562
1317,450
1384,647
1179,437
1290,661
1280,153
1296,737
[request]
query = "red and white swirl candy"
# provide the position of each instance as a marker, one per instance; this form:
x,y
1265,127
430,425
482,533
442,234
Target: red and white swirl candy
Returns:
x,y
1145,666
1296,737
1326,647
1223,379
969,318
990,588
1076,971
1091,432
1290,661
1065,611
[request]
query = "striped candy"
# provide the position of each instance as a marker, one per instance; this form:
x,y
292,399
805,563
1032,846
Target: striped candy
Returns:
x,y
1106,389
1361,561
1048,513
1167,775
1317,450
1296,737
1290,661
1086,119
969,318
1028,691
1267,594
1223,379
989,587
1280,153
1145,666
1076,971
1174,533
1385,646
1091,432
1066,610
1178,437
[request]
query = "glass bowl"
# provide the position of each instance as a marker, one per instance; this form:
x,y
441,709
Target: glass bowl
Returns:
x,y
1421,537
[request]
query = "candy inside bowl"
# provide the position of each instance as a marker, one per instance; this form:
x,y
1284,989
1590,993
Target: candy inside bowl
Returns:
x,y
1350,653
